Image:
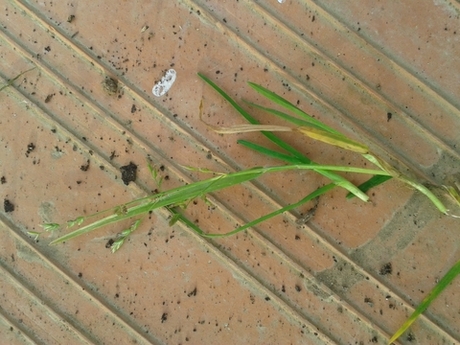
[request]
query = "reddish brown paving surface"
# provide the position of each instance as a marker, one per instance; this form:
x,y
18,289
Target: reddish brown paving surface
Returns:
x,y
351,276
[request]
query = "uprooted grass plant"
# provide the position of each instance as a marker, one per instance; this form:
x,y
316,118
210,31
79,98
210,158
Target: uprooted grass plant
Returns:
x,y
178,198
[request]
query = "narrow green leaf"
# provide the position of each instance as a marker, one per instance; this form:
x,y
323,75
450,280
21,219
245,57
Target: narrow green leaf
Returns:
x,y
272,137
291,107
332,176
180,194
371,183
11,81
174,219
364,187
311,196
284,116
428,193
271,153
440,286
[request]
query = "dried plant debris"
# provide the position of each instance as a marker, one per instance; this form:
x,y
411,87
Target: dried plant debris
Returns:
x,y
110,85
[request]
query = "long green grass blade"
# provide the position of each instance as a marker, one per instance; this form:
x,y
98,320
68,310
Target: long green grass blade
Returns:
x,y
320,191
284,116
364,187
182,194
272,137
371,183
291,107
440,286
168,198
337,179
271,153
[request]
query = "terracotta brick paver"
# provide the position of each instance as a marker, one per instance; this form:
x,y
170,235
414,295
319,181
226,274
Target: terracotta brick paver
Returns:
x,y
386,73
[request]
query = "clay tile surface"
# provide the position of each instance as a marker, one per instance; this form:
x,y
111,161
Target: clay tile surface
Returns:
x,y
80,126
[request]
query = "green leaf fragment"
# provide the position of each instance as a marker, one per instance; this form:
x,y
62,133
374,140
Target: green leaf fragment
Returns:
x,y
50,226
122,236
34,234
174,219
453,194
76,221
155,175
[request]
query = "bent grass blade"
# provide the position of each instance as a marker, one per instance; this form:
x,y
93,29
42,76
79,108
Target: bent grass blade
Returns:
x,y
311,196
180,194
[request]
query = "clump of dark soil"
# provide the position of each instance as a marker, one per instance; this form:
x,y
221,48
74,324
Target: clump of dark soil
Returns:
x,y
128,173
8,206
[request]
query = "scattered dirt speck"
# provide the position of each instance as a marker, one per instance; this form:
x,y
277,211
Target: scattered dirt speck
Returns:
x,y
30,149
192,293
49,97
109,243
85,167
3,180
368,301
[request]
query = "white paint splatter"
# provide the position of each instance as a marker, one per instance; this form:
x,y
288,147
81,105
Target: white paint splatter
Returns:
x,y
163,86
281,1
